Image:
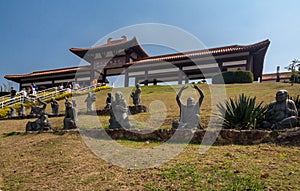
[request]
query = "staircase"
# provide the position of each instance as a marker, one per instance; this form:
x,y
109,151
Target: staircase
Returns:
x,y
6,101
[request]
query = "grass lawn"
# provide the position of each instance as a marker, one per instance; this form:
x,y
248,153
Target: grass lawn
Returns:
x,y
48,161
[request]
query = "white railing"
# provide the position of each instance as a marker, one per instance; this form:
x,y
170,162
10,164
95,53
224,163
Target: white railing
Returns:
x,y
42,95
4,99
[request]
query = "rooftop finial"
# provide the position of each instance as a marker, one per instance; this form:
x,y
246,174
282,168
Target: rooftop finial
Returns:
x,y
109,40
124,38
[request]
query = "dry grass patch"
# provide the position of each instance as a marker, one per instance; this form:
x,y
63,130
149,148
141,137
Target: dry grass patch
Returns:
x,y
63,162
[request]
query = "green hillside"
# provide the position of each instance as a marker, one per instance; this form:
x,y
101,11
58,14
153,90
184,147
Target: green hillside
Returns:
x,y
62,161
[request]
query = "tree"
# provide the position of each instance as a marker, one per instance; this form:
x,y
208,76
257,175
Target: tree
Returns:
x,y
292,67
6,86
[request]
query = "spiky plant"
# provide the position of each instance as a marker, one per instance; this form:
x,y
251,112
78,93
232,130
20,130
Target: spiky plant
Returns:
x,y
297,103
242,113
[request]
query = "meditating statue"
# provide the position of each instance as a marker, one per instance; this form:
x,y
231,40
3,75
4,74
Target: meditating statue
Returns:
x,y
189,113
54,106
91,98
119,116
70,120
41,124
282,113
136,95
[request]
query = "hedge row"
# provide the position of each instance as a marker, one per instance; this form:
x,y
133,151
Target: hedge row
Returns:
x,y
231,77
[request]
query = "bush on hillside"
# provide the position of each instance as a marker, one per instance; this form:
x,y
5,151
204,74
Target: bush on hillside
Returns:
x,y
231,77
242,113
4,112
297,103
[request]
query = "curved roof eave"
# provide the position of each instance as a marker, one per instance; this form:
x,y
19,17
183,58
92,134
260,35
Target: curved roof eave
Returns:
x,y
133,43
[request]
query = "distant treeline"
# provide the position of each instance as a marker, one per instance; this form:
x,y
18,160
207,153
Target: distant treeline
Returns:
x,y
3,93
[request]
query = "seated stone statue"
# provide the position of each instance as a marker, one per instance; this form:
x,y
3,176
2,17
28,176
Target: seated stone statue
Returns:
x,y
189,113
22,111
91,98
136,95
119,117
41,124
54,106
36,110
70,120
282,113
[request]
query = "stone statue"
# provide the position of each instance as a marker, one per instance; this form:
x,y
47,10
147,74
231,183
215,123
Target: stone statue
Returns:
x,y
91,98
22,111
190,113
12,112
118,115
41,124
37,111
281,113
136,96
108,101
54,106
70,120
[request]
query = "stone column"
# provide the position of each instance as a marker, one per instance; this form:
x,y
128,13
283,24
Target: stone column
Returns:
x,y
278,74
249,65
126,78
180,75
146,78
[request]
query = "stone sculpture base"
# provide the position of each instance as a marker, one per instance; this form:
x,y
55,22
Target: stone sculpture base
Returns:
x,y
132,109
103,112
224,136
138,109
176,125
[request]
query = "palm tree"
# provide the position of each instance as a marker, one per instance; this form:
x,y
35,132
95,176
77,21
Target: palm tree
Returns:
x,y
292,67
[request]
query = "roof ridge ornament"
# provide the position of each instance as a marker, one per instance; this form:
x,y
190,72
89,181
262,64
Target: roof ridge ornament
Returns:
x,y
111,41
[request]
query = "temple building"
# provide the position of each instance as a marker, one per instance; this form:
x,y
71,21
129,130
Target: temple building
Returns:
x,y
128,58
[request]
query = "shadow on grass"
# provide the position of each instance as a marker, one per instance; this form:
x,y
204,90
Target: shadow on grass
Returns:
x,y
10,134
54,132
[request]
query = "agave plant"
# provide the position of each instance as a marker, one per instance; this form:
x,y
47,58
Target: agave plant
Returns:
x,y
297,103
242,113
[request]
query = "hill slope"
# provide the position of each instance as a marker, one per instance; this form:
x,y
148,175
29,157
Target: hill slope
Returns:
x,y
47,161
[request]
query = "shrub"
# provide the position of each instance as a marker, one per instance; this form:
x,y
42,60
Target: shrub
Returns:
x,y
62,96
242,113
102,88
4,112
231,77
296,100
295,78
297,103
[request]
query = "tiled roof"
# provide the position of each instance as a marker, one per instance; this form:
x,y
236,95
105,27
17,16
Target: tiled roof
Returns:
x,y
205,52
48,72
273,76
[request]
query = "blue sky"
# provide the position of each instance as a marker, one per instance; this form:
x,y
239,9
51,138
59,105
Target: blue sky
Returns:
x,y
37,34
